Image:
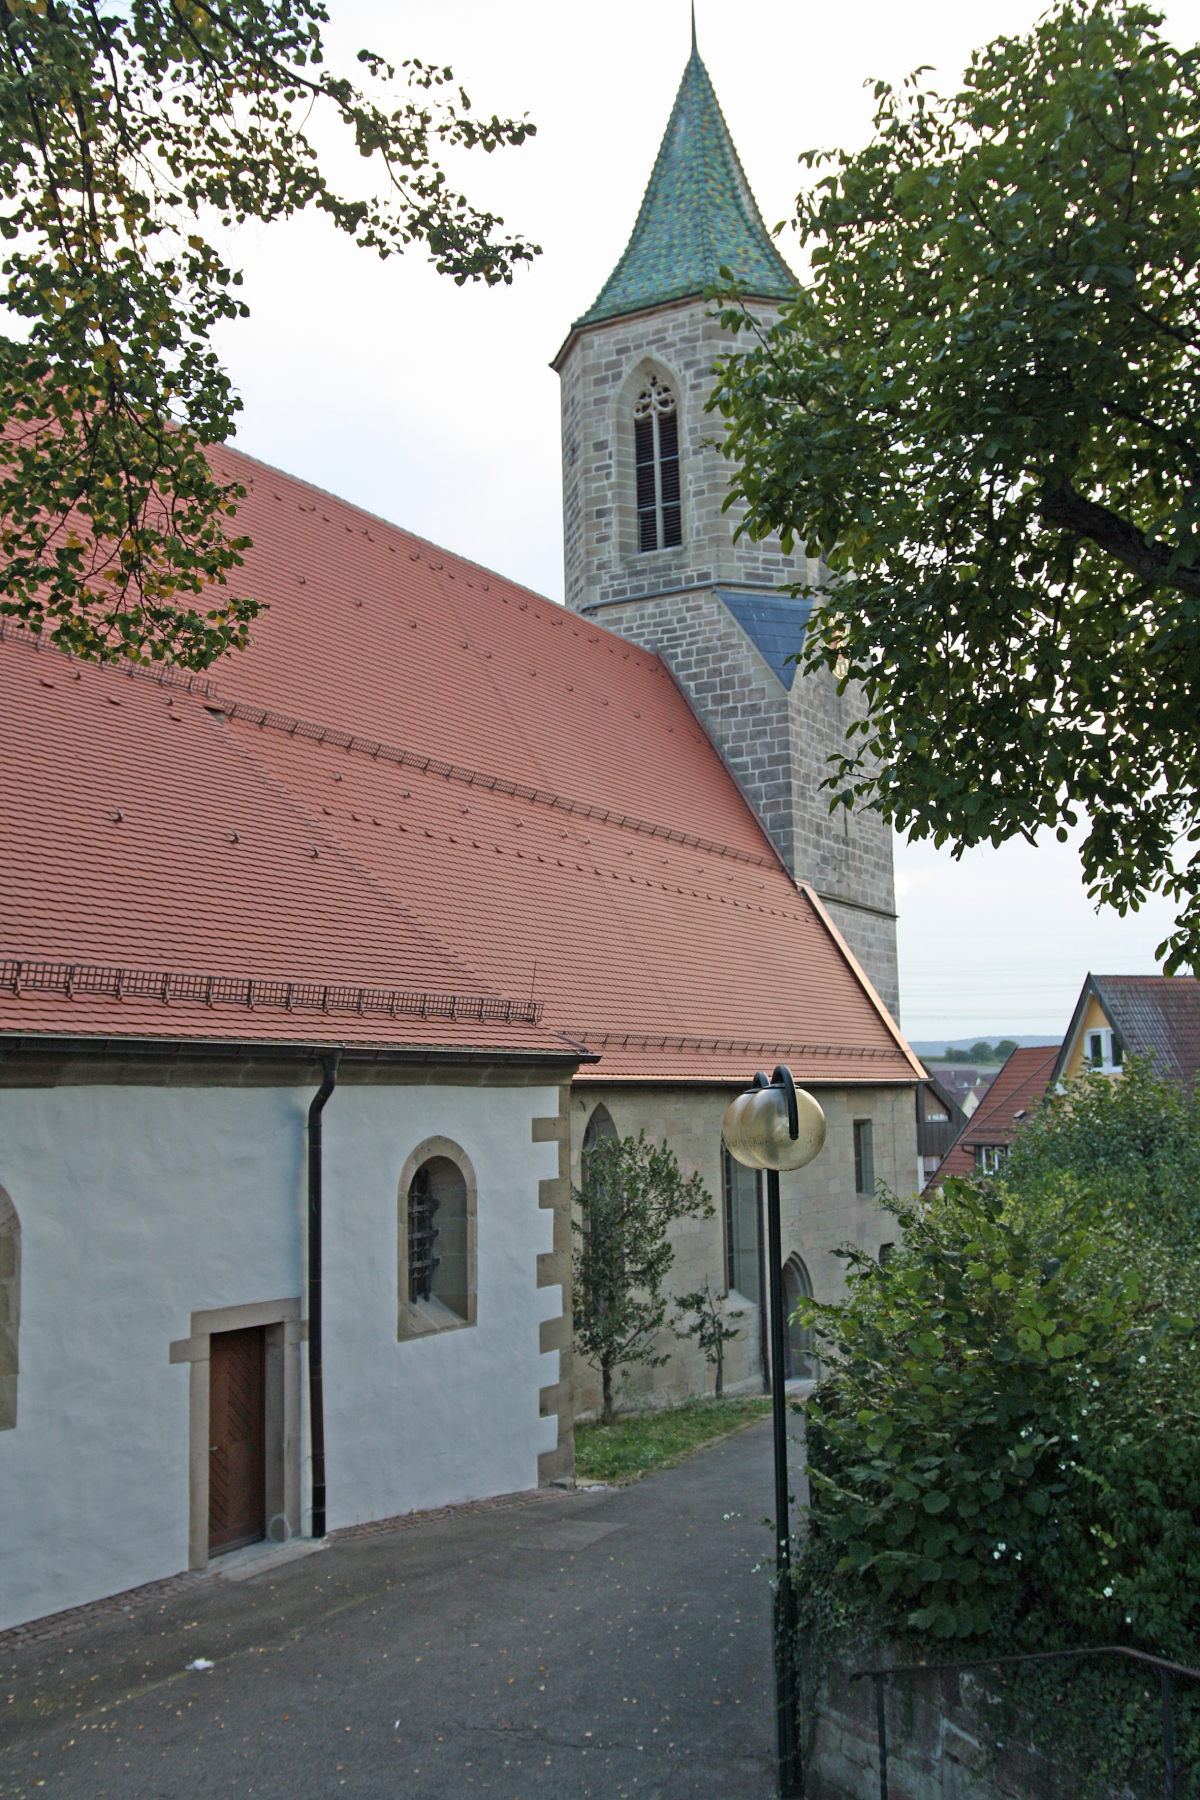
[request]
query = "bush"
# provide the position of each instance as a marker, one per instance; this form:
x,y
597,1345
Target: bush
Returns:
x,y
1007,1437
1004,1452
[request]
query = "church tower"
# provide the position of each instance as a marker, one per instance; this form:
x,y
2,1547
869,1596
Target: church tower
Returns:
x,y
649,552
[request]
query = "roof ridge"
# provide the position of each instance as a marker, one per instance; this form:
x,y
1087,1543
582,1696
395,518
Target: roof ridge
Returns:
x,y
456,556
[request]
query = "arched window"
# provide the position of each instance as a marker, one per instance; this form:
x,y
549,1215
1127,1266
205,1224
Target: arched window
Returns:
x,y
743,1207
656,454
10,1309
800,1362
437,1237
599,1126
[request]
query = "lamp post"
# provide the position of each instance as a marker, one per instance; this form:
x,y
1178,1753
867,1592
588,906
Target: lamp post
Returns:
x,y
778,1126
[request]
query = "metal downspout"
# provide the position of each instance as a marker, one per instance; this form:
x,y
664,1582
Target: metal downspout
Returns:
x,y
316,1390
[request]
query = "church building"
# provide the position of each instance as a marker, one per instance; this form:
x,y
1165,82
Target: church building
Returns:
x,y
649,551
458,880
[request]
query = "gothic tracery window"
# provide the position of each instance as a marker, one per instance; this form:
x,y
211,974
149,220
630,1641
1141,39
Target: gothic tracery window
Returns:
x,y
656,455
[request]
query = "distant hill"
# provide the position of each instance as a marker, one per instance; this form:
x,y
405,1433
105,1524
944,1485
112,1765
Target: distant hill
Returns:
x,y
939,1046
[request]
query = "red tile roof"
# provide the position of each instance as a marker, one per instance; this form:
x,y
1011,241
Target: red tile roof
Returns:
x,y
1018,1089
506,799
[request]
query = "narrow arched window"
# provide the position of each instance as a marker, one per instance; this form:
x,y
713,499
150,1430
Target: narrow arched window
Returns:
x,y
800,1361
656,454
10,1309
437,1236
599,1126
743,1229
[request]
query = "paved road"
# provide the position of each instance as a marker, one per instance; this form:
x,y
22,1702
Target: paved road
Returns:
x,y
612,1645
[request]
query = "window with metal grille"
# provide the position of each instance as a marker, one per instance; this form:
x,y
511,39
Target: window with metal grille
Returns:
x,y
422,1236
656,460
438,1237
742,1207
864,1157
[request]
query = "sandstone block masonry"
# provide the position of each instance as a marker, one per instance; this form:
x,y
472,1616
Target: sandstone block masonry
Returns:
x,y
819,1210
777,739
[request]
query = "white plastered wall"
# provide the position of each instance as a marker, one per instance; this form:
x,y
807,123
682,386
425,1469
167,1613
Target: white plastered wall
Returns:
x,y
141,1206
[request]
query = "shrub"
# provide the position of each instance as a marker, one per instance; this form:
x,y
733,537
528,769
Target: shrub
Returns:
x,y
1005,1443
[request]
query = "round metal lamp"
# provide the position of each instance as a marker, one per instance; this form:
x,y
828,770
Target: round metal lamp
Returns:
x,y
778,1126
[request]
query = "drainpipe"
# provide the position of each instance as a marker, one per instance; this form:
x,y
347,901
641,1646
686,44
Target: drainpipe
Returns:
x,y
316,1391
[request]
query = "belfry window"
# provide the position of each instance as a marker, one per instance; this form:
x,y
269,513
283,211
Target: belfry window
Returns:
x,y
656,454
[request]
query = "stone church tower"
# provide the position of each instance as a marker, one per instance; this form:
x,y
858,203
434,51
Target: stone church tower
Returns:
x,y
650,554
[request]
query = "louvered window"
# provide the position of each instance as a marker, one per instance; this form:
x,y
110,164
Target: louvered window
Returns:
x,y
656,456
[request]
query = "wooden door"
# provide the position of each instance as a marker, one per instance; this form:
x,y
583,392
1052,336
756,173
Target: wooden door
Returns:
x,y
237,1439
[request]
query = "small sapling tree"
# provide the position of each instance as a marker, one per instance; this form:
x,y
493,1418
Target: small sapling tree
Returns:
x,y
709,1325
631,1194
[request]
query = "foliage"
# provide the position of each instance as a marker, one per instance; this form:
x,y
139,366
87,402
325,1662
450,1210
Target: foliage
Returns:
x,y
1014,1394
127,131
1005,1449
984,412
632,1194
709,1326
637,1443
1131,1147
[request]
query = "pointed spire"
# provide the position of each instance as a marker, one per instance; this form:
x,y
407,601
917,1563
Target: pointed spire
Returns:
x,y
698,213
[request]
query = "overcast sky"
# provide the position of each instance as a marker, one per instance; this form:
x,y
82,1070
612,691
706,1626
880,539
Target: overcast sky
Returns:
x,y
435,406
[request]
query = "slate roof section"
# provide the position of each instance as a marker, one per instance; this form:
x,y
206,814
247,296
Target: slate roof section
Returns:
x,y
1019,1088
1152,1015
697,214
507,800
775,624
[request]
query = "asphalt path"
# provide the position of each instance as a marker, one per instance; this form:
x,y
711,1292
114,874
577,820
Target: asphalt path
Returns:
x,y
608,1644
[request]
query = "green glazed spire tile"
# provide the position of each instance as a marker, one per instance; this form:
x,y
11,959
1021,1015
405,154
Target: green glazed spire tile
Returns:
x,y
698,213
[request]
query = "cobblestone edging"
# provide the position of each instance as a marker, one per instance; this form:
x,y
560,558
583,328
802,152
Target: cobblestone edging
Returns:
x,y
136,1600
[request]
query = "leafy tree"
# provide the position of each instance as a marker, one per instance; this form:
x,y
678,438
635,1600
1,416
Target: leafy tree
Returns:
x,y
984,412
1005,1048
709,1326
632,1193
981,1052
127,132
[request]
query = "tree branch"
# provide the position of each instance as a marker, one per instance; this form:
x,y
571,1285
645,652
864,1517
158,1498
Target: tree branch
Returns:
x,y
1063,508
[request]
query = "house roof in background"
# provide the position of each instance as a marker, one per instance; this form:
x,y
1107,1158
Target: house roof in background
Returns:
x,y
1152,1015
506,801
697,214
1020,1086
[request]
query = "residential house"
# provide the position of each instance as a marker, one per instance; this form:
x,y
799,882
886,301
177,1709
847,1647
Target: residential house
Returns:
x,y
1019,1088
1117,1016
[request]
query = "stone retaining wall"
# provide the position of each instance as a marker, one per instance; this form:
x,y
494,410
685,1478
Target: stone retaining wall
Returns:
x,y
943,1743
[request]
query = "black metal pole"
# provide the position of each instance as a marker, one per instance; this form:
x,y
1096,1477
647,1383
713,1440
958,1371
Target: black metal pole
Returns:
x,y
764,1323
786,1694
316,1385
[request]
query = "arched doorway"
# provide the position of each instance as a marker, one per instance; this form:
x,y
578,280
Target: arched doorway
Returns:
x,y
799,1356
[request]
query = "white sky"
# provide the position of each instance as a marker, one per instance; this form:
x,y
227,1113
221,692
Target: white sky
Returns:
x,y
435,406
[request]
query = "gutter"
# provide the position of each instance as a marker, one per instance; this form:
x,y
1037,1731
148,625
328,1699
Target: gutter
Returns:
x,y
316,1373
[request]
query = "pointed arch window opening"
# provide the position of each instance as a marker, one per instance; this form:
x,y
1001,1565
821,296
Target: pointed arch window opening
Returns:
x,y
656,456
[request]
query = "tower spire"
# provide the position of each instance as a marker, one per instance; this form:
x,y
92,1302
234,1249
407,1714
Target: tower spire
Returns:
x,y
698,214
